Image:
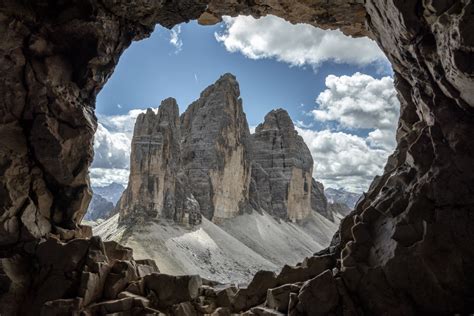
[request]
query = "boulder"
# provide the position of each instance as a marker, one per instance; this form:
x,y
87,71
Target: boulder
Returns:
x,y
262,311
170,290
145,267
279,298
222,311
113,306
319,296
116,251
184,309
120,275
138,301
309,268
70,306
254,294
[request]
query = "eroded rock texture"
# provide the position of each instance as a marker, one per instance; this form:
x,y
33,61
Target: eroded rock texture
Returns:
x,y
208,164
346,15
282,168
405,250
156,187
215,152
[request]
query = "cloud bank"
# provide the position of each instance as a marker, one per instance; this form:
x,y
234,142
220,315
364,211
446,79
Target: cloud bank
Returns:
x,y
295,44
354,104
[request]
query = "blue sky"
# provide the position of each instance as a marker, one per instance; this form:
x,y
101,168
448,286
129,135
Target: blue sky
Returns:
x,y
275,68
153,69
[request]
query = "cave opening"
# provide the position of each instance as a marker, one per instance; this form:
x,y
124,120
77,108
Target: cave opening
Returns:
x,y
334,91
405,250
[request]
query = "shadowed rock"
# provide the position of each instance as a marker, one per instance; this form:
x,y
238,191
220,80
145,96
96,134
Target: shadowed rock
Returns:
x,y
282,168
55,58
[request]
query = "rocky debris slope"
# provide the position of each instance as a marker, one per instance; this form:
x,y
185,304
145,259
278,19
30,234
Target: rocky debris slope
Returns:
x,y
231,252
405,250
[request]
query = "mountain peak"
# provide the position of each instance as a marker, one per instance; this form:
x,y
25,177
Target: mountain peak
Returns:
x,y
276,119
227,82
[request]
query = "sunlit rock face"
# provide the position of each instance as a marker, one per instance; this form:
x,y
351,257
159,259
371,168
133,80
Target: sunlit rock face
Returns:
x,y
407,248
156,188
216,159
283,167
207,163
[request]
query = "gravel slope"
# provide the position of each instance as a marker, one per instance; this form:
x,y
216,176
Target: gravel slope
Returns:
x,y
230,252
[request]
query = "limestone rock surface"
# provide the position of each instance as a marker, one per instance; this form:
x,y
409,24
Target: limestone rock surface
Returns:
x,y
282,168
207,163
156,188
215,152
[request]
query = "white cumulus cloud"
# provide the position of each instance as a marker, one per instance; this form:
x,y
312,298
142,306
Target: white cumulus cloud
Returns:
x,y
342,159
358,101
112,146
296,44
175,39
356,104
104,176
361,102
111,150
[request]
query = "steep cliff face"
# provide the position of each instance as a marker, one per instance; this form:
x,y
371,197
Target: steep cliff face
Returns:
x,y
215,154
155,188
319,202
209,160
282,168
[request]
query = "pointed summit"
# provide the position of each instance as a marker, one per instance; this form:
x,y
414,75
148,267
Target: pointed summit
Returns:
x,y
215,151
282,168
276,119
155,189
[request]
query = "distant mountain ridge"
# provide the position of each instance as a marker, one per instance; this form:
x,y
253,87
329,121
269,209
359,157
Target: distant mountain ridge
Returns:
x,y
342,196
103,201
111,192
99,208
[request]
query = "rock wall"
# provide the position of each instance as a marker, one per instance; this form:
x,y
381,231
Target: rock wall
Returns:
x,y
156,188
222,169
216,160
407,248
282,168
319,202
415,220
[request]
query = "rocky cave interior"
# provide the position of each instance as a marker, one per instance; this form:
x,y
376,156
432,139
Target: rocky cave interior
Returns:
x,y
405,250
